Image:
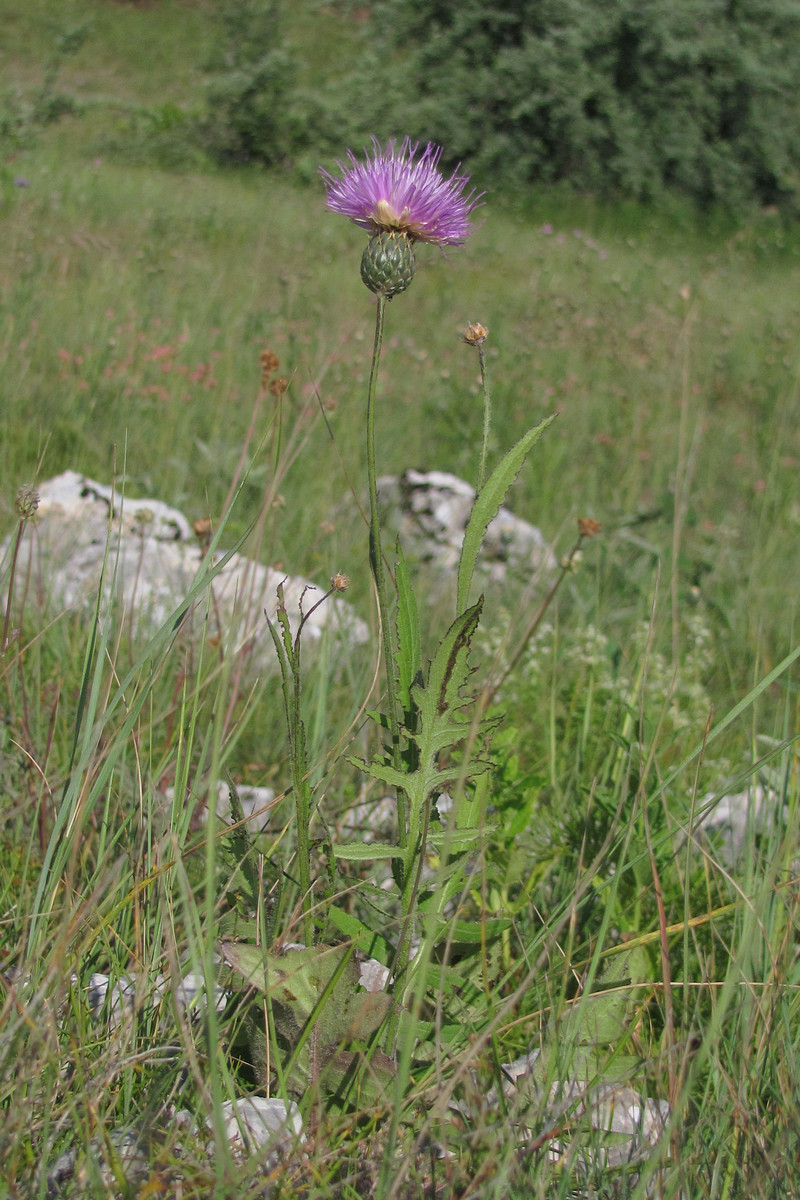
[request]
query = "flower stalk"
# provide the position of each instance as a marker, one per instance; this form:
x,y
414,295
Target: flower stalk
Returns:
x,y
26,503
475,335
378,573
487,417
400,197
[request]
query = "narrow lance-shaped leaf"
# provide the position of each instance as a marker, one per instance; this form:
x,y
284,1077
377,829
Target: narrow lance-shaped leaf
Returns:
x,y
487,505
408,636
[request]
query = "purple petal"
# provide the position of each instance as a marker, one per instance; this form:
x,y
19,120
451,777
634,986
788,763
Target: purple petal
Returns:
x,y
397,191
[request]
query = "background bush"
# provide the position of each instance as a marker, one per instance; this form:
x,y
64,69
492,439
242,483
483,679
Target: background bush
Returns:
x,y
626,97
616,98
257,107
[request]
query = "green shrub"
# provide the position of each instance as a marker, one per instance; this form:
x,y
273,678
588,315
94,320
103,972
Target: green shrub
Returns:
x,y
24,112
255,110
633,97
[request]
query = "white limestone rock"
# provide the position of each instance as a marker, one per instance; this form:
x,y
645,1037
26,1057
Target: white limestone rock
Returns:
x,y
258,804
255,1122
430,510
621,1126
116,1003
144,555
727,819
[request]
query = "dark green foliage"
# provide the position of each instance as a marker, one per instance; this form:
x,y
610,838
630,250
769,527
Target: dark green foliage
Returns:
x,y
21,114
248,94
163,135
256,112
629,96
52,104
614,97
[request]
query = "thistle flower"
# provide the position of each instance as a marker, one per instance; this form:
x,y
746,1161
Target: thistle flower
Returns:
x,y
400,198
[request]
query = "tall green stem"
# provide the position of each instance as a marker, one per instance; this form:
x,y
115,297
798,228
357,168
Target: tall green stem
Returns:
x,y
378,574
302,799
487,417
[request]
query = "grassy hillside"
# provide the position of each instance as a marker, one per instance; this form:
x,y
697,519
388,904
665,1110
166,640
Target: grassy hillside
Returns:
x,y
135,302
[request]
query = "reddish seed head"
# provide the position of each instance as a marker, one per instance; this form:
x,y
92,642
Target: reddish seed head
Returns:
x,y
588,528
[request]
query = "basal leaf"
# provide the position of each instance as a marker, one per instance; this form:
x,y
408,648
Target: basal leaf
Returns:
x,y
317,1004
355,1079
250,962
464,932
607,1011
594,1029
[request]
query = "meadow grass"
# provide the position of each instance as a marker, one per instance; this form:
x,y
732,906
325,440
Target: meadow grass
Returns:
x,y
669,361
135,304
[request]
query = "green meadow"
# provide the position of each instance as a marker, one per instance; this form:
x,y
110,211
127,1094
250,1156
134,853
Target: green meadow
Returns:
x,y
139,285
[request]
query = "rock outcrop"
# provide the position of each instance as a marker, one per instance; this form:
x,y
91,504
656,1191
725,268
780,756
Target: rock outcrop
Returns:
x,y
143,558
430,511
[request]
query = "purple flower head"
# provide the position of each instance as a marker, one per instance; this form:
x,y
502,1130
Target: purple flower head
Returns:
x,y
397,192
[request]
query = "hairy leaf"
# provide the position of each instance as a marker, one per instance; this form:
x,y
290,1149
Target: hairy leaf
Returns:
x,y
364,852
318,1009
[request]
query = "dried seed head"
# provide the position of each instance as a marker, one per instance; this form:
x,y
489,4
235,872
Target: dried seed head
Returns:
x,y
26,501
269,363
587,528
278,386
475,334
340,582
